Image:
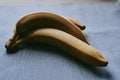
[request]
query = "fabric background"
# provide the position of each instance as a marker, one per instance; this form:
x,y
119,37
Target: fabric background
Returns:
x,y
41,62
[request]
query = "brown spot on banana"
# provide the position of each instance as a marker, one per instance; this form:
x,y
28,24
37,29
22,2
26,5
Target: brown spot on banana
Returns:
x,y
34,21
67,42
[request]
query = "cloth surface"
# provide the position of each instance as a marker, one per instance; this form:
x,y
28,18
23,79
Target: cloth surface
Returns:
x,y
102,22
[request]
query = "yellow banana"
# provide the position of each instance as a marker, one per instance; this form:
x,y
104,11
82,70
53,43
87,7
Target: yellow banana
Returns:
x,y
34,21
65,41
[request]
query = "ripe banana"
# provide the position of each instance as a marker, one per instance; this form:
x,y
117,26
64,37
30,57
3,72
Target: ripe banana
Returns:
x,y
32,22
65,41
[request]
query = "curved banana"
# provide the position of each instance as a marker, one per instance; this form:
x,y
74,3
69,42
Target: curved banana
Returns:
x,y
35,21
65,41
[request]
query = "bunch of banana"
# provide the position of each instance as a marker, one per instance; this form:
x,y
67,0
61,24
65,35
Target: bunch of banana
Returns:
x,y
50,28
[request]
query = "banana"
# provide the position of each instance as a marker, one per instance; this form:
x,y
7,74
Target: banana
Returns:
x,y
65,41
34,21
76,22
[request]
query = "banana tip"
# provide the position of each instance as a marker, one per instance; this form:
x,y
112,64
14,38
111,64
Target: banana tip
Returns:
x,y
106,63
7,44
9,47
84,27
103,64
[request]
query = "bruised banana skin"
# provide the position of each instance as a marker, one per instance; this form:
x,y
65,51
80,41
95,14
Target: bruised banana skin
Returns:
x,y
34,21
68,43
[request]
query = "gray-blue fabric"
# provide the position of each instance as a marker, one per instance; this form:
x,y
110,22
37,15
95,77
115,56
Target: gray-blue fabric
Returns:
x,y
41,62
